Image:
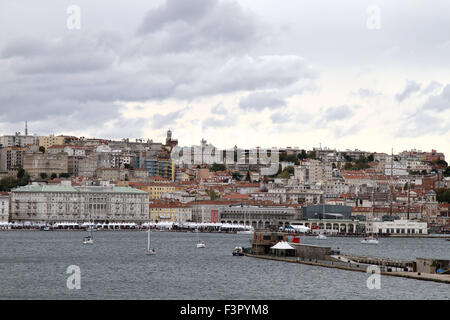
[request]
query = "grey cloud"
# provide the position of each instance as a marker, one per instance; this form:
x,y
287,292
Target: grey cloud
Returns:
x,y
71,54
197,24
219,109
227,121
367,93
422,124
424,120
440,102
432,86
171,11
337,113
262,100
410,88
162,120
279,118
82,79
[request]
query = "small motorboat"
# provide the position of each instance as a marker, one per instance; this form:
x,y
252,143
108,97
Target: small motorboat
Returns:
x,y
370,240
321,236
443,271
201,244
88,240
238,251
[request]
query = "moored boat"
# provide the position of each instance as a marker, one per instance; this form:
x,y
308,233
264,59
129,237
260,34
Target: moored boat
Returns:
x,y
238,251
370,240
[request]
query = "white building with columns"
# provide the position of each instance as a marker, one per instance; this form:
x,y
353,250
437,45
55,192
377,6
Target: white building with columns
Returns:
x,y
67,203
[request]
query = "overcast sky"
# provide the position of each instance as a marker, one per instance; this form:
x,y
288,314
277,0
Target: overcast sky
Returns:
x,y
372,75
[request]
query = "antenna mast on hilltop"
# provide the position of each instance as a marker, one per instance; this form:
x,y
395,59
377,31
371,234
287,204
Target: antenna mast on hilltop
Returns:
x,y
26,128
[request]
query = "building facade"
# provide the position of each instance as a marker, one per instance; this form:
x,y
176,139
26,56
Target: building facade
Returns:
x,y
66,203
260,216
401,227
4,207
36,163
161,211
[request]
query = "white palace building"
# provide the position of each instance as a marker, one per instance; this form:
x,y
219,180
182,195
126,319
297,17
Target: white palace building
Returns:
x,y
406,227
67,203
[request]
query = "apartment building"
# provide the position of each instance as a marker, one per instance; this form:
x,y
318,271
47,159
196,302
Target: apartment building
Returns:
x,y
51,140
11,158
18,140
313,171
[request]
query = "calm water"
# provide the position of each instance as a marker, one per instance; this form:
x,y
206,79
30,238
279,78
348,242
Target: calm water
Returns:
x,y
33,266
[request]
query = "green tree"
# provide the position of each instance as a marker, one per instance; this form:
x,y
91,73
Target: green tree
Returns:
x,y
348,166
213,195
447,172
217,167
286,173
42,149
237,176
20,173
43,175
8,183
311,155
64,175
302,155
292,158
53,176
443,195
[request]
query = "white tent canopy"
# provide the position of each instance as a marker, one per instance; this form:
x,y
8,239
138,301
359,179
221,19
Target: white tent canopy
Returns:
x,y
282,245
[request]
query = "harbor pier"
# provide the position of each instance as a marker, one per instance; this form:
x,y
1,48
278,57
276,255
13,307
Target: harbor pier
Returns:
x,y
275,246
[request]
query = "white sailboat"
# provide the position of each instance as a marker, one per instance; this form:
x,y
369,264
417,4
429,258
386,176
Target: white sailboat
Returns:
x,y
200,244
89,239
150,251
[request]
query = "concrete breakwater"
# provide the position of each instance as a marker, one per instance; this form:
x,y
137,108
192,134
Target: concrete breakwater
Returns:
x,y
281,246
443,278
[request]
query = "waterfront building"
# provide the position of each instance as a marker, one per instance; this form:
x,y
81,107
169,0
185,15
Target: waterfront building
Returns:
x,y
405,227
4,206
64,202
164,211
327,211
259,216
332,226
